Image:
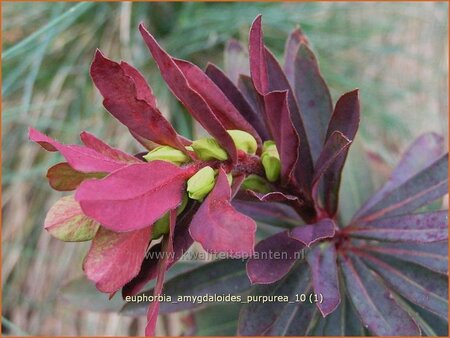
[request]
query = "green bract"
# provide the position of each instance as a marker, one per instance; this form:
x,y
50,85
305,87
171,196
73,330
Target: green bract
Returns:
x,y
270,160
199,185
168,154
255,183
161,226
209,149
243,141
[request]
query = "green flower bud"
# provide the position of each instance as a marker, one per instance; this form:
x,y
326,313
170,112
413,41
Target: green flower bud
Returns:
x,y
270,160
199,185
161,226
243,141
209,149
168,154
256,183
230,178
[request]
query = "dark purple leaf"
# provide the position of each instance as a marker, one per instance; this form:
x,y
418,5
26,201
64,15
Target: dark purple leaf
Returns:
x,y
322,262
192,100
256,318
343,321
129,99
421,189
248,90
218,227
238,100
421,153
374,303
417,284
310,90
345,119
334,150
236,60
311,233
221,277
423,227
433,256
273,258
274,196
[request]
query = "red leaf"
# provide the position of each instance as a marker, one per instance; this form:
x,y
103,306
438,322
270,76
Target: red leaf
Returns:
x,y
322,262
218,102
311,233
79,157
167,249
133,197
115,258
130,100
63,177
283,132
219,227
190,98
268,76
273,258
182,240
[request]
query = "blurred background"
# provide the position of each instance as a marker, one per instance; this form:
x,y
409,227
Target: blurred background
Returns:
x,y
396,53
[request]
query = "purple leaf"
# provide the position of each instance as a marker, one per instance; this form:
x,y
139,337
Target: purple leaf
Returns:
x,y
236,60
133,197
268,76
274,196
217,101
419,285
335,148
322,262
374,303
257,318
423,227
419,190
311,233
273,258
237,99
79,157
295,39
345,119
167,249
310,89
218,227
129,99
182,241
191,99
63,177
433,256
115,258
283,132
248,90
421,153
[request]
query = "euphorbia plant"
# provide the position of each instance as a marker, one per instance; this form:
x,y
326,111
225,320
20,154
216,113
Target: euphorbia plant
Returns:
x,y
276,149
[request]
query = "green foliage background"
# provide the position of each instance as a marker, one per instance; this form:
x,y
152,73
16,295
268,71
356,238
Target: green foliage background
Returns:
x,y
396,53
